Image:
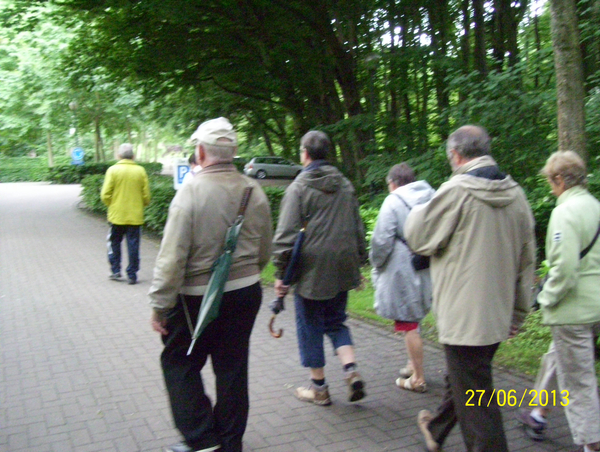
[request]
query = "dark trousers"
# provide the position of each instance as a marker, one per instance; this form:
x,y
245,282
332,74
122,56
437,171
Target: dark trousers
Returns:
x,y
470,369
226,340
115,237
316,318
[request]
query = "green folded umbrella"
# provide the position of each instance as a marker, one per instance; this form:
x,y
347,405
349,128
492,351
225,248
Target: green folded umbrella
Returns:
x,y
211,302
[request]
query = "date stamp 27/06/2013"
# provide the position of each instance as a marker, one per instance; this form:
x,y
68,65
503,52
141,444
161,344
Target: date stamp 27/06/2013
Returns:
x,y
510,398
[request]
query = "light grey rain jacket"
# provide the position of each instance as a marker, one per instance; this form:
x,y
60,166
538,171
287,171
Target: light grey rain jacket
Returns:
x,y
401,293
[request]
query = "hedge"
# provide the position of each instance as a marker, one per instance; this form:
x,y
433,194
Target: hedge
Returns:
x,y
162,192
23,169
74,174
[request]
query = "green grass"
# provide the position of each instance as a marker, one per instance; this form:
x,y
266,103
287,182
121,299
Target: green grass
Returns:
x,y
520,354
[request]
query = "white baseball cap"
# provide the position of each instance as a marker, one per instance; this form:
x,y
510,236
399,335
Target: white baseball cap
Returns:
x,y
209,132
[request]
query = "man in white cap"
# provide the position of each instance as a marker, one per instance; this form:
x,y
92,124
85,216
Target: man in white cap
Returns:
x,y
194,236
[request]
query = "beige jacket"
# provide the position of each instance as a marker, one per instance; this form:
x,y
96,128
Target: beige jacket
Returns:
x,y
194,235
480,234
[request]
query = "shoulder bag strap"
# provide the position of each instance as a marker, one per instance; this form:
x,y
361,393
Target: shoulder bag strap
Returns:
x,y
589,247
245,200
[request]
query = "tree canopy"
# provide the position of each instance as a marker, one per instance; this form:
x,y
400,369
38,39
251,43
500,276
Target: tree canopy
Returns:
x,y
388,80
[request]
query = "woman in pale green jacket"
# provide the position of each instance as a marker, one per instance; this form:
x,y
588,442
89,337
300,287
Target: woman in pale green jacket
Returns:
x,y
570,298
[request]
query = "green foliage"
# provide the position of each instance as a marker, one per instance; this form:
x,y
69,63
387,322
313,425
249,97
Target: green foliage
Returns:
x,y
74,174
369,218
91,186
162,192
524,351
522,122
23,169
275,195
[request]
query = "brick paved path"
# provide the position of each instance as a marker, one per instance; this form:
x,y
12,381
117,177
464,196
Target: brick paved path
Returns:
x,y
79,366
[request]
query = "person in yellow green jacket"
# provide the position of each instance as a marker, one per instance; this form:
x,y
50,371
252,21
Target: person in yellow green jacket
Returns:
x,y
125,192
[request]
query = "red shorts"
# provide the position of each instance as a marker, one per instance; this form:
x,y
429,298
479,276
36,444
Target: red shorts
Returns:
x,y
405,326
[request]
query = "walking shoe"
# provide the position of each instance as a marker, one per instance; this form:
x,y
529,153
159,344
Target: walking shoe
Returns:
x,y
319,395
131,280
356,386
114,276
423,420
183,447
533,429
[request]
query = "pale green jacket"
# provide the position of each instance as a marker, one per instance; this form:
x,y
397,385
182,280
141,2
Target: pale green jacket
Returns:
x,y
571,295
125,192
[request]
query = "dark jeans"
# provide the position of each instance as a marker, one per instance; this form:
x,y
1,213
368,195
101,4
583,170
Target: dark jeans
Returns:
x,y
470,369
226,340
314,319
115,237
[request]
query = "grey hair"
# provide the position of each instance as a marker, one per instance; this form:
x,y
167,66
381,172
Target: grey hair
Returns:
x,y
317,144
401,174
469,141
569,165
126,151
219,154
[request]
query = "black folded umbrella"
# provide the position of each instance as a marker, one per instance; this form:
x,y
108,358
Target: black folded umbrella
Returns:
x,y
277,305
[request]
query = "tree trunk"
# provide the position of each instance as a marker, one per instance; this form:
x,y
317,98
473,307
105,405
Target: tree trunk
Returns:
x,y
479,20
569,77
439,19
50,154
465,46
100,157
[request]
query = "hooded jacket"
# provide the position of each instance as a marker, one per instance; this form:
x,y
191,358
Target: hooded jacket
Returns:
x,y
194,236
401,293
570,295
480,234
125,192
334,245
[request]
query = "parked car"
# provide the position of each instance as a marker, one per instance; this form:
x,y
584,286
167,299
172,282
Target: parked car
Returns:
x,y
263,167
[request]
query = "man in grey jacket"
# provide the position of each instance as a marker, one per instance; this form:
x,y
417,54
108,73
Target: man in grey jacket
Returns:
x,y
479,231
194,237
322,200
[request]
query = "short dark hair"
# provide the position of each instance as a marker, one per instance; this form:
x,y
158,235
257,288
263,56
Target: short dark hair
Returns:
x,y
401,174
469,141
317,144
192,159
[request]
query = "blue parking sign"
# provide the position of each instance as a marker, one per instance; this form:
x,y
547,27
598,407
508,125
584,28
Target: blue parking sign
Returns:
x,y
77,155
180,168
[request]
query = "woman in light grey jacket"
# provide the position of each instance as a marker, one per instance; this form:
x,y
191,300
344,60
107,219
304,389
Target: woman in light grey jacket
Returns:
x,y
401,293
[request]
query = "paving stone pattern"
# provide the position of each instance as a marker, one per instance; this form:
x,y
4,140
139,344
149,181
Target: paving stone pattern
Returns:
x,y
80,370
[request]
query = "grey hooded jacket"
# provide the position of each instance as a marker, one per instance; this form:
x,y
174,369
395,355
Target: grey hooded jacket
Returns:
x,y
401,293
334,245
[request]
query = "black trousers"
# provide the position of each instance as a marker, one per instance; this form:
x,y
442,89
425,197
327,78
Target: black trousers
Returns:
x,y
226,340
470,369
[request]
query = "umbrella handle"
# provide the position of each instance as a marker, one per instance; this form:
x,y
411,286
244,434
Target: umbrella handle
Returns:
x,y
278,334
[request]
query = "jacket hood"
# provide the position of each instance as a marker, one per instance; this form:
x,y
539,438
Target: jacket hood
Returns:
x,y
325,178
415,193
494,192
